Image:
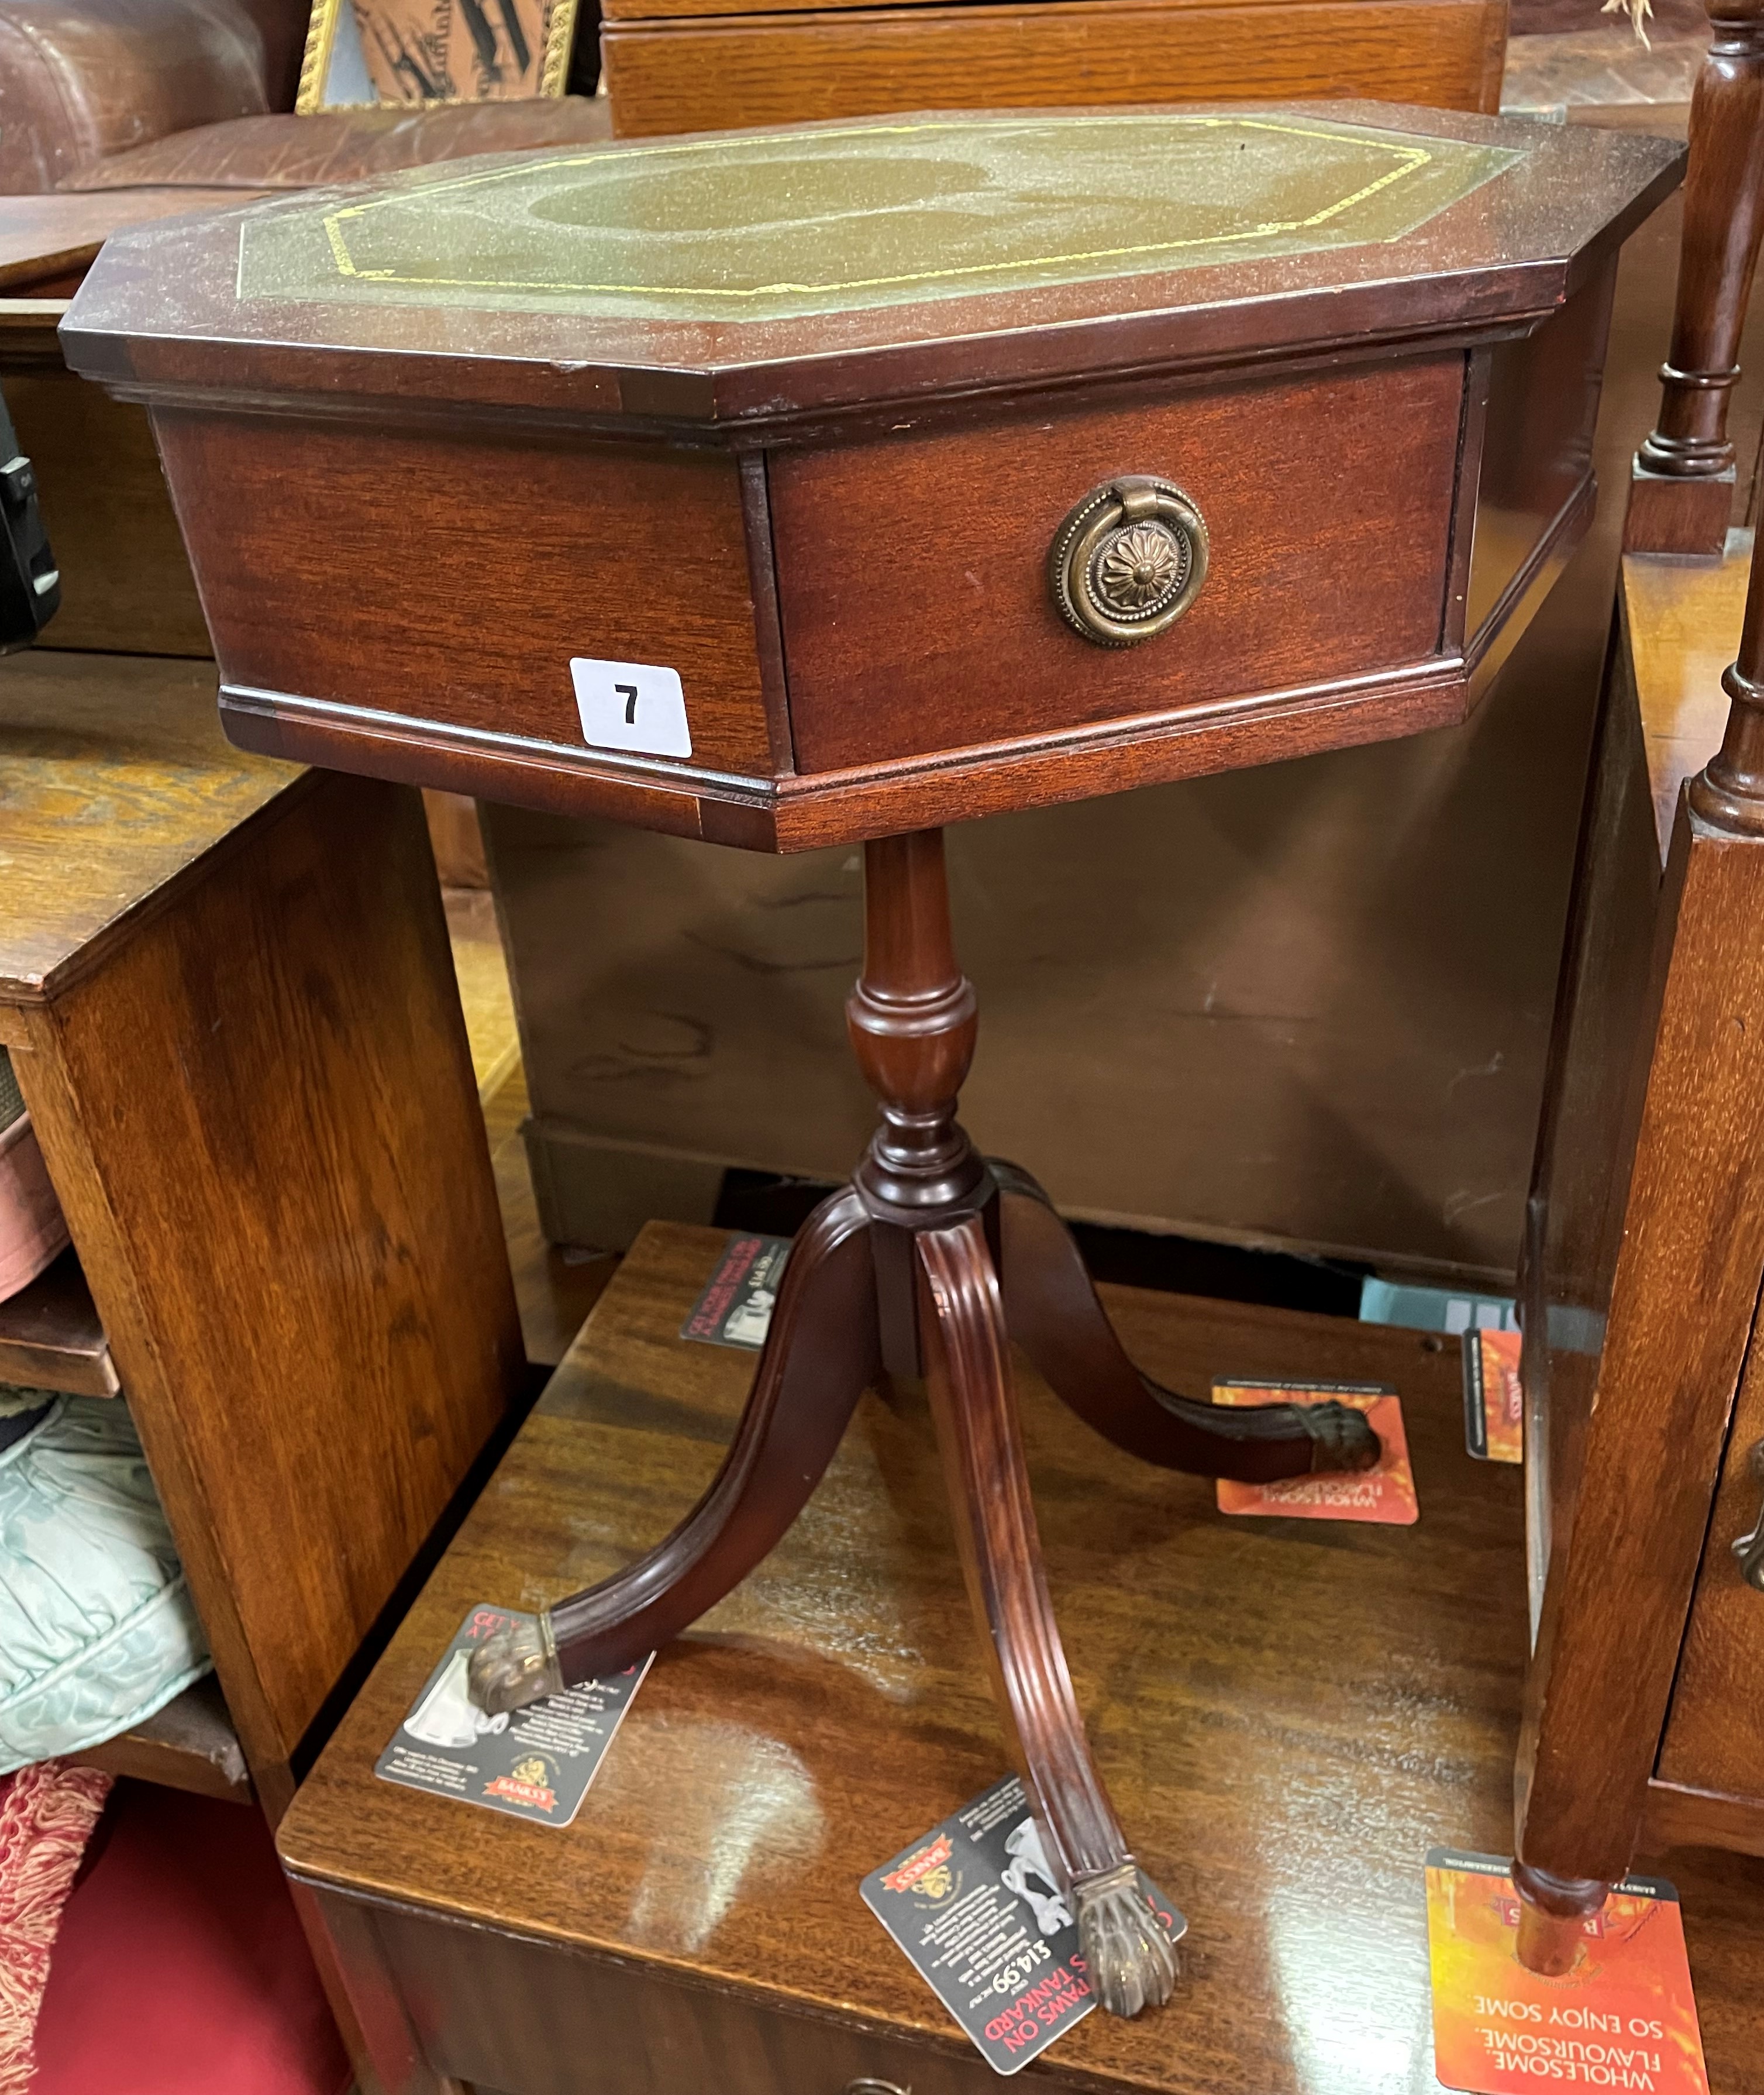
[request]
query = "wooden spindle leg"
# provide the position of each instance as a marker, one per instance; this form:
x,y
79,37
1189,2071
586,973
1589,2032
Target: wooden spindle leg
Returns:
x,y
1553,1912
1131,1959
819,1355
1681,495
1051,1311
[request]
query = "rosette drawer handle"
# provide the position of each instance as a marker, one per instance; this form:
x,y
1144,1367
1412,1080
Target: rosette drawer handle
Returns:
x,y
1749,1548
1129,561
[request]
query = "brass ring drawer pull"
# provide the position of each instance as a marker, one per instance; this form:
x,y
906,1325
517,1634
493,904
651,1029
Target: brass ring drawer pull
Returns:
x,y
1129,561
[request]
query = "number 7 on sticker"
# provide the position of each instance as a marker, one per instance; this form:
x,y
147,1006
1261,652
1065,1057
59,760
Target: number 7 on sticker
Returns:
x,y
637,706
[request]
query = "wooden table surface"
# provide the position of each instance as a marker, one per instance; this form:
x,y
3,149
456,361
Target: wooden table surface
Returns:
x,y
1289,1714
46,236
111,785
1683,618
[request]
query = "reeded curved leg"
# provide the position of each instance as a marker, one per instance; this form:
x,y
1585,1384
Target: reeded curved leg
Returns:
x,y
1053,1314
820,1354
1132,1961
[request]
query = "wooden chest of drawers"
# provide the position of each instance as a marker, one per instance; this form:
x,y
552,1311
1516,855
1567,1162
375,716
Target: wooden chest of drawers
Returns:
x,y
709,65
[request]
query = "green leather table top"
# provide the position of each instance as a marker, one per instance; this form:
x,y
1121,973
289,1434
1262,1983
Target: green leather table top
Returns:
x,y
755,277
760,226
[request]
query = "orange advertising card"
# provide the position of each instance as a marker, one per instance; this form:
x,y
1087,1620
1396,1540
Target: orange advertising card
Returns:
x,y
1494,1405
1624,2017
1385,1494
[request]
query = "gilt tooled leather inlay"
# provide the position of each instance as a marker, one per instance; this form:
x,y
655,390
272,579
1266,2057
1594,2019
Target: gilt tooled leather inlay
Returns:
x,y
762,226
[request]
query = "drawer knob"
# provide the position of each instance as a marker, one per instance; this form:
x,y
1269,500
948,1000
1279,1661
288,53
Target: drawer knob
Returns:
x,y
1129,561
1749,1548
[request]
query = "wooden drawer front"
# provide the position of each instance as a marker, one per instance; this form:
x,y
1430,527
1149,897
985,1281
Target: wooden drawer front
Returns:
x,y
501,2011
452,578
912,572
1714,1732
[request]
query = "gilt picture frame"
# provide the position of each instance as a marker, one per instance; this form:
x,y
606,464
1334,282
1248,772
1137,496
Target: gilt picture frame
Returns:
x,y
426,53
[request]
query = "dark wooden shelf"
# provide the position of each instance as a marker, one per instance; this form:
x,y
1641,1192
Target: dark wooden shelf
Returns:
x,y
191,1744
50,1337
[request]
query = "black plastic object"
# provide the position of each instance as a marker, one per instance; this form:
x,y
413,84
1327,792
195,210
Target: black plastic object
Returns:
x,y
30,583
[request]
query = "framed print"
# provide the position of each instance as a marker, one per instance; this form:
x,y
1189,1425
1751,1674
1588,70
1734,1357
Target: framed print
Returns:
x,y
407,53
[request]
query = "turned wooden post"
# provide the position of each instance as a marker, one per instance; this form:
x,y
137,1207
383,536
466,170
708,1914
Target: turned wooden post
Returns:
x,y
1728,793
1681,1311
913,1018
1681,492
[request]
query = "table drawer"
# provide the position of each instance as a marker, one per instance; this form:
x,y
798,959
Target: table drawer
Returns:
x,y
913,571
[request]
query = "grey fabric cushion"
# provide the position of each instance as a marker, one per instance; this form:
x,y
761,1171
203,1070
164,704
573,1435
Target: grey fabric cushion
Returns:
x,y
97,1628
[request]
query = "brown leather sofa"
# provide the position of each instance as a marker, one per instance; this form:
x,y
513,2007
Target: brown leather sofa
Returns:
x,y
177,95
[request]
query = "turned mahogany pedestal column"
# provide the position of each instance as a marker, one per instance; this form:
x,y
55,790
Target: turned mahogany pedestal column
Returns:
x,y
930,1261
826,485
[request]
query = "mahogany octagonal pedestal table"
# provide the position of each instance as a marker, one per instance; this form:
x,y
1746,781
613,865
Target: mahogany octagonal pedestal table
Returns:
x,y
828,484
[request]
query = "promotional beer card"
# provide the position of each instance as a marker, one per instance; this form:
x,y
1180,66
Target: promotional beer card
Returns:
x,y
1385,1494
532,1763
735,1307
1494,1403
1623,2016
975,1908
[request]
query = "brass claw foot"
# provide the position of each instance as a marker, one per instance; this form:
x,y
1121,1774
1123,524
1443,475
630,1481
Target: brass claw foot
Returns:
x,y
1131,1959
516,1666
1340,1438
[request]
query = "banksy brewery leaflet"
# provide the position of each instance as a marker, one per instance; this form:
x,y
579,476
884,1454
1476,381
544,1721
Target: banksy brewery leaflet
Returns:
x,y
532,1763
735,1307
977,1912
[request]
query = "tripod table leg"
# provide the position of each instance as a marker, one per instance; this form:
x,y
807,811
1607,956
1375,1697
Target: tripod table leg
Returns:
x,y
1053,1314
1132,1961
820,1353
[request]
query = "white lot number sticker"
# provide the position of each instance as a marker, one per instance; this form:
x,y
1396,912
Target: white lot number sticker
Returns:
x,y
630,705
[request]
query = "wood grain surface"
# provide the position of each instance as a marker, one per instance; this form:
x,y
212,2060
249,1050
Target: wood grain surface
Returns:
x,y
1289,1714
257,1107
348,566
1681,622
1713,1738
45,239
1681,1302
1607,1006
1685,470
779,65
50,1337
118,778
190,1744
126,586
953,638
